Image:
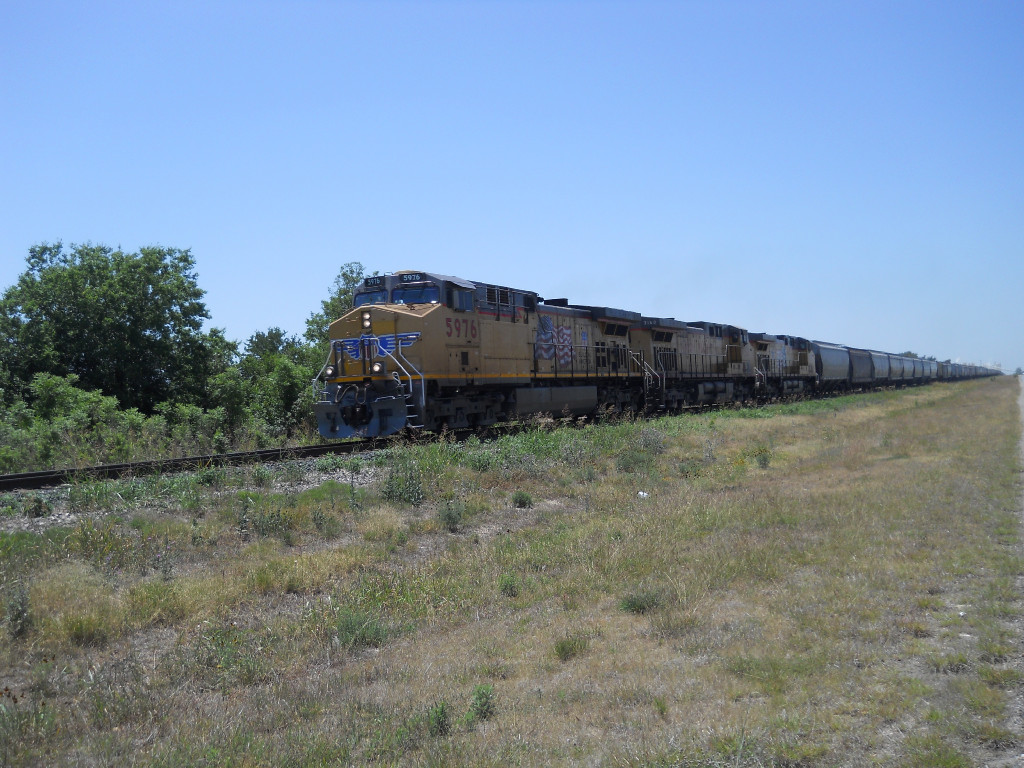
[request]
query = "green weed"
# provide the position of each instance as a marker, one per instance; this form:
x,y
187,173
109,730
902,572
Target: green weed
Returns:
x,y
641,601
403,481
355,629
451,514
24,723
522,500
18,611
954,662
224,655
508,585
930,751
571,646
332,462
482,705
439,722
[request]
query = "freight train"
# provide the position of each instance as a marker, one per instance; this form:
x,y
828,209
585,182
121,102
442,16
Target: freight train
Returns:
x,y
427,351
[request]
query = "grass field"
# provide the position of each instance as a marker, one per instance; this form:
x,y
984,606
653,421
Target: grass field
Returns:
x,y
825,583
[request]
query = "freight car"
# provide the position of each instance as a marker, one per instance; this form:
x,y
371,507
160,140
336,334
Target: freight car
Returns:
x,y
429,351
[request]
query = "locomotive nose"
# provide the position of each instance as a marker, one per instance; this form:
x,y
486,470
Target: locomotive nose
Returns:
x,y
356,415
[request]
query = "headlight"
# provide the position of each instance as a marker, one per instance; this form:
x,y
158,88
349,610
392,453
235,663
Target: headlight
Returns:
x,y
366,319
377,367
329,372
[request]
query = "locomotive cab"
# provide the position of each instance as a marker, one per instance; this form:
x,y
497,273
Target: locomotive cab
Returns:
x,y
423,350
373,381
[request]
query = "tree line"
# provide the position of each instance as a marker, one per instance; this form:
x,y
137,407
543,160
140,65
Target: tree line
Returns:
x,y
104,357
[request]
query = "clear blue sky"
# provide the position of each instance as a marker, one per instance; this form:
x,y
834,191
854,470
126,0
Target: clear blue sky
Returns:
x,y
848,171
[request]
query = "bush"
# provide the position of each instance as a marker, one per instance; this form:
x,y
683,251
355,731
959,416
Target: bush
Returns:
x,y
570,647
641,451
330,463
356,629
9,506
522,500
450,515
403,482
632,461
439,719
260,476
508,585
326,523
477,457
111,548
35,505
482,706
640,601
211,477
650,440
762,454
270,522
19,617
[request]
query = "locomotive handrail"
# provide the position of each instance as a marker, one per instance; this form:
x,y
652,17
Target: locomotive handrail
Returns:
x,y
320,373
648,372
409,376
423,380
760,377
657,361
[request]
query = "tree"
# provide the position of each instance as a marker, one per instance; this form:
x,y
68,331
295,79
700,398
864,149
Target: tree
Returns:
x,y
263,345
349,278
127,324
1019,371
277,370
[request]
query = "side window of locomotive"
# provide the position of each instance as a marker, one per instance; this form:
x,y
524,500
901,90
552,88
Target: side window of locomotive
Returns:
x,y
416,294
462,301
370,297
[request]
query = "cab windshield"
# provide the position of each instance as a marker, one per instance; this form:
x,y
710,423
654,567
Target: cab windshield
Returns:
x,y
370,297
416,294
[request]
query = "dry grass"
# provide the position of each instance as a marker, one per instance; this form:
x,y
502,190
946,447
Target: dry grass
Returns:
x,y
830,583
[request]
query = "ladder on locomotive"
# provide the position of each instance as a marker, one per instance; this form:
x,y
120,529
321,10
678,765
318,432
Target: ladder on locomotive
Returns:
x,y
410,404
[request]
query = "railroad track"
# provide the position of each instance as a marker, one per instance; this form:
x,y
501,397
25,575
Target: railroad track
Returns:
x,y
33,480
45,479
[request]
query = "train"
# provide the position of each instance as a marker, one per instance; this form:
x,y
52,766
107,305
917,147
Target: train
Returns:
x,y
427,351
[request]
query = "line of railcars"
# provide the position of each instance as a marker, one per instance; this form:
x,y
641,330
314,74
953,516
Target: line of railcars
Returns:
x,y
428,351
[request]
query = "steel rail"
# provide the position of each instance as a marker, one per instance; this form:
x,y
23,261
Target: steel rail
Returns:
x,y
48,478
